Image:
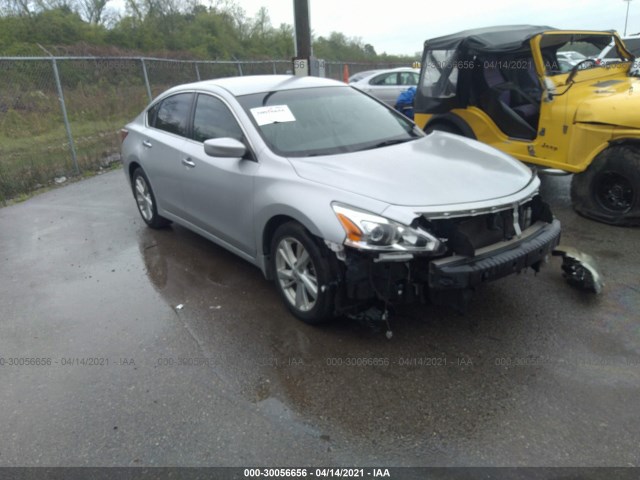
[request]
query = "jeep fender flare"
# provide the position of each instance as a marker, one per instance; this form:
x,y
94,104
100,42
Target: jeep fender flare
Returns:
x,y
624,140
452,120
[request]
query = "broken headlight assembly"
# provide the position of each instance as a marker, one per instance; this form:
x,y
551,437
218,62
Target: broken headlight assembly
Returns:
x,y
367,231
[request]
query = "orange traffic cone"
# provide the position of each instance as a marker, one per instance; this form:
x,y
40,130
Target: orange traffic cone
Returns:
x,y
345,73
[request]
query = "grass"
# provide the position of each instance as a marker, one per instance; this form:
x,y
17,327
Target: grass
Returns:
x,y
27,164
34,146
100,97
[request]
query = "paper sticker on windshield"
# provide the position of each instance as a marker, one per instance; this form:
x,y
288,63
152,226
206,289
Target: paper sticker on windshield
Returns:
x,y
272,114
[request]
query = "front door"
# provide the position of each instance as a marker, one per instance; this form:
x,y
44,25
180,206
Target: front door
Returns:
x,y
218,192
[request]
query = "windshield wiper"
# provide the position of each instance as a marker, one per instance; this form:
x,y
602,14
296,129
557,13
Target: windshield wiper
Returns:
x,y
385,143
388,143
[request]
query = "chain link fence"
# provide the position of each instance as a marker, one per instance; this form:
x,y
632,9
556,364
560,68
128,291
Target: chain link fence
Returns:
x,y
60,116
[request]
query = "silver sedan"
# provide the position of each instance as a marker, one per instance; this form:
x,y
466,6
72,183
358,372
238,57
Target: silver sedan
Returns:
x,y
342,201
386,85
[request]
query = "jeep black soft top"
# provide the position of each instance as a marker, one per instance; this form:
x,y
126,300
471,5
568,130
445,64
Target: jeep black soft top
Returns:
x,y
501,39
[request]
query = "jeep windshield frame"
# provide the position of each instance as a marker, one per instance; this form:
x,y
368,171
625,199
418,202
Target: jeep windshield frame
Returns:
x,y
589,43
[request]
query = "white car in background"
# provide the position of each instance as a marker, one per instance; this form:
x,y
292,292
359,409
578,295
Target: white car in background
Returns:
x,y
386,85
571,56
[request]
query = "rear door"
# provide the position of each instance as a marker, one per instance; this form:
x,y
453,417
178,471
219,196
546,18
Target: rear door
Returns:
x,y
163,141
386,87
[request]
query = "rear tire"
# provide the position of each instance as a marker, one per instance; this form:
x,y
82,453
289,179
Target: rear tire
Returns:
x,y
609,190
303,273
146,200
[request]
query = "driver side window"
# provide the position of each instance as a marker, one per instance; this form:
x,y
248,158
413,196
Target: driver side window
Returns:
x,y
212,119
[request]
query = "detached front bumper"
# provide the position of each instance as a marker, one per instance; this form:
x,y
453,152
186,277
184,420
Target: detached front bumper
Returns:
x,y
496,261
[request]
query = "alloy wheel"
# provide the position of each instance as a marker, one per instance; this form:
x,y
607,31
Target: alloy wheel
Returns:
x,y
296,274
144,199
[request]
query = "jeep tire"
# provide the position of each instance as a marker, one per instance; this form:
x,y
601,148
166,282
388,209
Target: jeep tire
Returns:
x,y
609,190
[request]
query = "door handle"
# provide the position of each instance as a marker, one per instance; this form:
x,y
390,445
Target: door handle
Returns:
x,y
187,162
147,144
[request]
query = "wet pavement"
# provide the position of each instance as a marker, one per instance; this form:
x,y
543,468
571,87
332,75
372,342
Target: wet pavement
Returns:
x,y
99,366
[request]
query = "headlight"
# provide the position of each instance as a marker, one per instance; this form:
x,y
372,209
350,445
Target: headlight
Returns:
x,y
368,231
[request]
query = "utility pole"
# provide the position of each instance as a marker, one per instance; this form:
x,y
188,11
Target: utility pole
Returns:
x,y
304,63
302,28
626,19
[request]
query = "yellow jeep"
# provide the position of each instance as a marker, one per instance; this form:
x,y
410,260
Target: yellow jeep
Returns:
x,y
541,95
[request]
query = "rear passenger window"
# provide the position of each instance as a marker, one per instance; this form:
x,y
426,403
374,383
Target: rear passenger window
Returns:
x,y
213,119
408,78
385,79
173,114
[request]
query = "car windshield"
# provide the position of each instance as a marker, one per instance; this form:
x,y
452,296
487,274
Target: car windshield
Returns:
x,y
325,121
590,45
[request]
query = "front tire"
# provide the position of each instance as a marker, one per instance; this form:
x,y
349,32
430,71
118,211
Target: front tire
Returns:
x,y
303,273
146,200
609,190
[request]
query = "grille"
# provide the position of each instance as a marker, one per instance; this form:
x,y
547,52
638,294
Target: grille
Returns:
x,y
465,235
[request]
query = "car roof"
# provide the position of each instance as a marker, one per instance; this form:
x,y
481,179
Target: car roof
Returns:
x,y
489,39
369,73
365,73
250,84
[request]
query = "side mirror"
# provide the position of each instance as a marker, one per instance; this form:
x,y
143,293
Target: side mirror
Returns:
x,y
225,147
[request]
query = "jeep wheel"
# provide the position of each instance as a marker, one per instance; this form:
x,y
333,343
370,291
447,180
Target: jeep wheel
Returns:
x,y
609,190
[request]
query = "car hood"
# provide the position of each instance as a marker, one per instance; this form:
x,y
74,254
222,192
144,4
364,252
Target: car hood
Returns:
x,y
612,102
439,169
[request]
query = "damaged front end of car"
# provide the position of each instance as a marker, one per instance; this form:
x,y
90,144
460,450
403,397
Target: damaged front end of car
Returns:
x,y
439,258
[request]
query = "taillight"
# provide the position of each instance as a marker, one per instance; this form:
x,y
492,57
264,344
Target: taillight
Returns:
x,y
123,134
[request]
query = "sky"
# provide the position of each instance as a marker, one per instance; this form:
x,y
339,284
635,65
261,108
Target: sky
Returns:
x,y
403,30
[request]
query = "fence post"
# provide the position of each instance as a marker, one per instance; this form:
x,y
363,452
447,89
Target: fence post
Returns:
x,y
146,79
197,70
239,69
275,72
63,106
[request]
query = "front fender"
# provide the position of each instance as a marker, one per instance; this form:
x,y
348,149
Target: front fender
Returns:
x,y
626,140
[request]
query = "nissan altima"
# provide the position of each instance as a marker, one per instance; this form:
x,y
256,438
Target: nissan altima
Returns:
x,y
339,199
